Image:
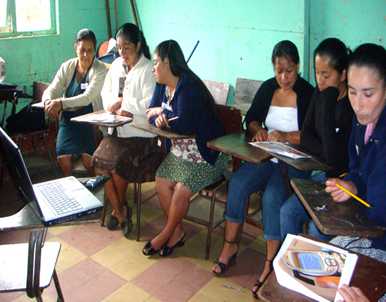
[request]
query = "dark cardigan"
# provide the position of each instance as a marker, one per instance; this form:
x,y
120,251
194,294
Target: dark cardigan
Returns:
x,y
263,98
326,129
194,106
367,169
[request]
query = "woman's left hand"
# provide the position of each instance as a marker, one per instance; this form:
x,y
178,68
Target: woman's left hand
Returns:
x,y
53,108
124,113
161,121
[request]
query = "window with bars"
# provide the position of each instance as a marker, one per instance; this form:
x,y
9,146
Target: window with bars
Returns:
x,y
27,17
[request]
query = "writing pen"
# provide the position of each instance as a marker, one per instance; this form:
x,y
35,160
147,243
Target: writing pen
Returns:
x,y
173,118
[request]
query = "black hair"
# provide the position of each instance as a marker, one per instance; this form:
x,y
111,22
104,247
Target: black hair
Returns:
x,y
285,49
336,52
86,34
171,50
372,56
131,33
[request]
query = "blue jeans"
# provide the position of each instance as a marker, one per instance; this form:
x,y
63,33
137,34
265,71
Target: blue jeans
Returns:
x,y
267,177
293,215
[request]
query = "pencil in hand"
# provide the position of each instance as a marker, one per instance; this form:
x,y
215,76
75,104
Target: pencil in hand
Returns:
x,y
353,195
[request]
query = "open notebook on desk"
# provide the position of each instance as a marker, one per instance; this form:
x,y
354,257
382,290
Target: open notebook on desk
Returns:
x,y
280,149
103,118
53,201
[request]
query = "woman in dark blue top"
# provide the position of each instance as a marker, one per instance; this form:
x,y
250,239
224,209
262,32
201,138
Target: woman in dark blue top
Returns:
x,y
182,103
367,147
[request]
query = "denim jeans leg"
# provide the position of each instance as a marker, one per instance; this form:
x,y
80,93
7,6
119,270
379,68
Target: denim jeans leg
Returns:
x,y
292,217
249,178
274,195
314,232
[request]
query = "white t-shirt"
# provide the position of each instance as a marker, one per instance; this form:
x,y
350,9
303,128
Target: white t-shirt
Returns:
x,y
284,119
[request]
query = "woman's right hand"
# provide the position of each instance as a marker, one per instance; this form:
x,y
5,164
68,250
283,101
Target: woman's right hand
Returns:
x,y
352,294
161,121
337,194
261,135
153,111
114,107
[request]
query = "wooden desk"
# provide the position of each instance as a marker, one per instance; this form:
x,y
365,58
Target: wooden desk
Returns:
x,y
143,124
304,164
369,276
95,119
236,145
334,218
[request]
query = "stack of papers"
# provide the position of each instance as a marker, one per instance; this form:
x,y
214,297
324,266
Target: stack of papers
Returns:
x,y
280,149
103,118
313,268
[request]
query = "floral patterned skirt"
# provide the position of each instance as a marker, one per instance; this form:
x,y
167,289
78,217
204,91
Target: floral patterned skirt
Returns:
x,y
195,176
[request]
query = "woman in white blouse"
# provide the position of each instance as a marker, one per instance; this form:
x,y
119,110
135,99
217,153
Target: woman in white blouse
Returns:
x,y
132,155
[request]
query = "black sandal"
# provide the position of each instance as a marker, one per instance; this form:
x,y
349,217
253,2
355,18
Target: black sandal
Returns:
x,y
259,283
149,250
231,261
168,250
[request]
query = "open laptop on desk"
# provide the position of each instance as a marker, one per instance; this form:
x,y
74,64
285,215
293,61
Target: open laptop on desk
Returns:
x,y
54,201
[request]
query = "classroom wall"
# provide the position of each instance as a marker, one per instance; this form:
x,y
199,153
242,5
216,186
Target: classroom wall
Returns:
x,y
354,21
236,37
38,58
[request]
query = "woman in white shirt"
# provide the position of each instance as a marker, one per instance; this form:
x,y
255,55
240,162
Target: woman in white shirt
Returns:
x,y
130,154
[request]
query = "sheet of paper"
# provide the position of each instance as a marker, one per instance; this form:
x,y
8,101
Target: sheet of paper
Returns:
x,y
280,149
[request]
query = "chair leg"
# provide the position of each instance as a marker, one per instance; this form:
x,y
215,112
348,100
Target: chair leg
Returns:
x,y
104,210
58,289
210,226
138,199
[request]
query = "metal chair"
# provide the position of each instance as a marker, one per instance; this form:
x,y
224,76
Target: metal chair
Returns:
x,y
230,117
30,267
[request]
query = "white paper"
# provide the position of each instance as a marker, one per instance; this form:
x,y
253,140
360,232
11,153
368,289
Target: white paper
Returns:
x,y
280,149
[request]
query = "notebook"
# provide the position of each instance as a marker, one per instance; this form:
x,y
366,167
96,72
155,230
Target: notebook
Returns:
x,y
54,201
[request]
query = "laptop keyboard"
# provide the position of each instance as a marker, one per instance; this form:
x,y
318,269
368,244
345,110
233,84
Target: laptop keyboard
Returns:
x,y
58,199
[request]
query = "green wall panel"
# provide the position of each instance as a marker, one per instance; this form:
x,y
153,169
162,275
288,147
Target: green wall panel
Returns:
x,y
236,37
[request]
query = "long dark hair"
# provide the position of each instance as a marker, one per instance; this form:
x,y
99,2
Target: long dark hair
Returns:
x,y
372,56
131,33
336,51
171,50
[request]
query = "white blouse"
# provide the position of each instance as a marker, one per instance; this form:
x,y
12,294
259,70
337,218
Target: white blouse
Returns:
x,y
284,119
136,85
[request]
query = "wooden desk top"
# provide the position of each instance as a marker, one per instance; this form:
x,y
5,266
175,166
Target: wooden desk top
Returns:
x,y
304,164
236,145
334,218
143,124
369,276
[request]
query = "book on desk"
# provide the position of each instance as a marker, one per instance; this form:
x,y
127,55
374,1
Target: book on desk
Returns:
x,y
313,268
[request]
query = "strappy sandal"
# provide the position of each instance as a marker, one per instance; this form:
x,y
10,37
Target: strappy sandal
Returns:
x,y
258,283
224,267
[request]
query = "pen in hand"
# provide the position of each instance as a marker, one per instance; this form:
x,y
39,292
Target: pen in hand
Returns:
x,y
173,118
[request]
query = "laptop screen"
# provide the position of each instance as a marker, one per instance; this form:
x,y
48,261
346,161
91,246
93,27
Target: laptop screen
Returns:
x,y
18,171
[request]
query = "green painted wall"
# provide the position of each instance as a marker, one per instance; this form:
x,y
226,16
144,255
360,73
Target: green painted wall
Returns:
x,y
236,37
352,21
38,58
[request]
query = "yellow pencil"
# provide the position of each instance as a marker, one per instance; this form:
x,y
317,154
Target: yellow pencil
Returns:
x,y
353,195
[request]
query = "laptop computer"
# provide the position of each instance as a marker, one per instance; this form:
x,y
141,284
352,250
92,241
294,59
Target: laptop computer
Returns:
x,y
54,201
